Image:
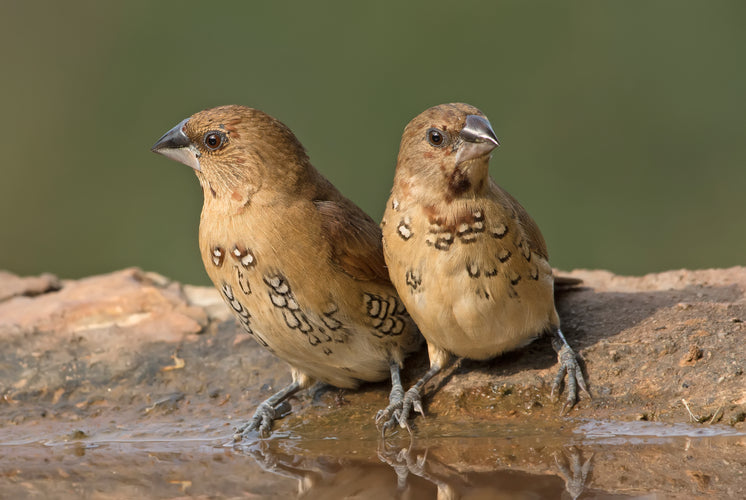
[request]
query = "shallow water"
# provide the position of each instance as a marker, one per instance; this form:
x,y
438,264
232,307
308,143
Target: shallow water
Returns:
x,y
585,459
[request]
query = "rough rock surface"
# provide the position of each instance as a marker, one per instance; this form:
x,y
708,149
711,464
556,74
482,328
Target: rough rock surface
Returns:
x,y
132,355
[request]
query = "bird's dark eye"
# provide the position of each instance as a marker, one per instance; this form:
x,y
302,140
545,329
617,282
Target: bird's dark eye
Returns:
x,y
214,140
436,137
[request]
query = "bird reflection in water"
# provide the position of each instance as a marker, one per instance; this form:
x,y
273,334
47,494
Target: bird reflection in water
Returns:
x,y
419,472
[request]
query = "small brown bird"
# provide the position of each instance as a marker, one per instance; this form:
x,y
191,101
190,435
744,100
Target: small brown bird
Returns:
x,y
300,265
468,261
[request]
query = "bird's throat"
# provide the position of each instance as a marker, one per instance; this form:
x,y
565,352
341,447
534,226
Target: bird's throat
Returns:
x,y
467,179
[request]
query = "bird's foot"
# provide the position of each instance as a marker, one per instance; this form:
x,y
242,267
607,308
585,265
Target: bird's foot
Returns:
x,y
568,364
262,420
398,411
396,398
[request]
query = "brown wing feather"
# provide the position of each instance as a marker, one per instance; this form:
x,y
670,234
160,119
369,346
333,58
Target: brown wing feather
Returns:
x,y
355,240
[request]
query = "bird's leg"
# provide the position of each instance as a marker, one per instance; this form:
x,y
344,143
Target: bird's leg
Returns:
x,y
568,362
398,412
413,398
268,410
395,397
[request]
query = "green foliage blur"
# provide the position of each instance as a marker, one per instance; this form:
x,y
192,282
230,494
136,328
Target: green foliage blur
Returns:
x,y
621,123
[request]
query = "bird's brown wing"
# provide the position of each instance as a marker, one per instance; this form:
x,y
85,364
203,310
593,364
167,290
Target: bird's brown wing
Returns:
x,y
354,239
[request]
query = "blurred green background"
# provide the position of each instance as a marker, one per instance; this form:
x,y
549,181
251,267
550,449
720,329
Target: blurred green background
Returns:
x,y
622,123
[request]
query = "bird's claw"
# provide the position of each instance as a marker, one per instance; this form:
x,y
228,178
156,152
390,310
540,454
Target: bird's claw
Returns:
x,y
388,417
568,362
262,420
398,412
395,403
417,405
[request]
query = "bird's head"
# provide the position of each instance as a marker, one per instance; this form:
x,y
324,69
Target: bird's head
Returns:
x,y
446,147
236,150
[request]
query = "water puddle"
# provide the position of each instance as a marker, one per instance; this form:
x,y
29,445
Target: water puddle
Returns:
x,y
584,459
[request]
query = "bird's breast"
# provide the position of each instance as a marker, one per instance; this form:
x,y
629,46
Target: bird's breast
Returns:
x,y
469,279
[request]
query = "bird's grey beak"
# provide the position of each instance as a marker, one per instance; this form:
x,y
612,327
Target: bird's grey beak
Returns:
x,y
176,145
478,139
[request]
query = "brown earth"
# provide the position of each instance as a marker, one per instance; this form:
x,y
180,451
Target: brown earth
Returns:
x,y
131,357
